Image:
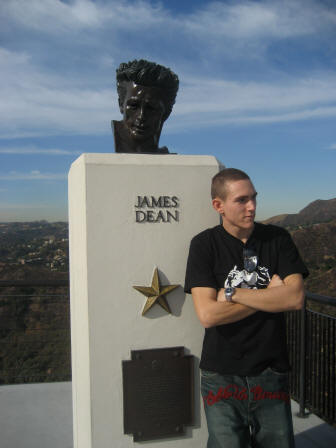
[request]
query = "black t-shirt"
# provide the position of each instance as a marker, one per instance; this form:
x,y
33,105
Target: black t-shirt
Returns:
x,y
250,345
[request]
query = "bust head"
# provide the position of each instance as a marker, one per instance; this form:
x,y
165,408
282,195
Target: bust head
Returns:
x,y
146,95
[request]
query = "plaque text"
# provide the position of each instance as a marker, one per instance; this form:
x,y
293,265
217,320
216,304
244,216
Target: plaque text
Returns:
x,y
157,209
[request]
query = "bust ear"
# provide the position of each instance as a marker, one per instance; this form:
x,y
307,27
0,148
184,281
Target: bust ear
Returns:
x,y
121,106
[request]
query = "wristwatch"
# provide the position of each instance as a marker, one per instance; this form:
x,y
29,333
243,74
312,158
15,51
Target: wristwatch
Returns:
x,y
229,291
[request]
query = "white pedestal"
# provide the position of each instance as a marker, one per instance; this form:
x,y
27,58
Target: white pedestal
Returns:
x,y
113,248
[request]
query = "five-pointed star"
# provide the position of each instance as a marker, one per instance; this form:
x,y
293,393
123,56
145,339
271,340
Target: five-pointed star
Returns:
x,y
155,293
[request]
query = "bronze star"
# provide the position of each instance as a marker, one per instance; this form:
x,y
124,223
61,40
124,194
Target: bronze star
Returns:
x,y
155,293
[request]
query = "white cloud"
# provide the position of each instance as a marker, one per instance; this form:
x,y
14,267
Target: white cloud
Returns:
x,y
32,175
55,16
221,102
35,103
216,95
35,150
246,19
39,101
248,29
234,29
208,121
242,19
333,146
50,14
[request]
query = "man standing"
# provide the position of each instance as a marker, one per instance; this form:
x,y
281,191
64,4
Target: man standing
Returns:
x,y
242,275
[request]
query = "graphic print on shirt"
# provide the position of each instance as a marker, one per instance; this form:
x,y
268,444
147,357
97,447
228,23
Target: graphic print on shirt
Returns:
x,y
259,278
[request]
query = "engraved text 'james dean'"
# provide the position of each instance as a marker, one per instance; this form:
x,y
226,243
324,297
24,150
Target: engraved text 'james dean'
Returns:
x,y
167,206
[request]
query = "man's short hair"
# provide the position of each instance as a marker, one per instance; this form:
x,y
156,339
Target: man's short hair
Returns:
x,y
148,74
219,181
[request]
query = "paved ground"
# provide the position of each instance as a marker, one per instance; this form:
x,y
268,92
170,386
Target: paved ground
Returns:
x,y
312,432
40,416
36,416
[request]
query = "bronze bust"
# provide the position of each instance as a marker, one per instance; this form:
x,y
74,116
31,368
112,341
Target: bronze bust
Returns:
x,y
146,95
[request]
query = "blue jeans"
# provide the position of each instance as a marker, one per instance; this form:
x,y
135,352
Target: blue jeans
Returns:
x,y
247,411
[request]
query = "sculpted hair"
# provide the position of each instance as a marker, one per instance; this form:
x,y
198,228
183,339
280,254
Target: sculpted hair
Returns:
x,y
219,181
148,74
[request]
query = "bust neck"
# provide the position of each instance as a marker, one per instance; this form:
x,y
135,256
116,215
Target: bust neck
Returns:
x,y
124,143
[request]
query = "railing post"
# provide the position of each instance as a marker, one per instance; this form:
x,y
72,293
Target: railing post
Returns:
x,y
302,401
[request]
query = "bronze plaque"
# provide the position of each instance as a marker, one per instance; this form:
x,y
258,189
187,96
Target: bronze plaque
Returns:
x,y
158,388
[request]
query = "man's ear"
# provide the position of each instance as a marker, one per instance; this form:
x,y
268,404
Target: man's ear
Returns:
x,y
218,205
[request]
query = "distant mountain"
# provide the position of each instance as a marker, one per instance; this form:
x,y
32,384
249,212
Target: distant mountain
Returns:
x,y
317,246
316,212
314,232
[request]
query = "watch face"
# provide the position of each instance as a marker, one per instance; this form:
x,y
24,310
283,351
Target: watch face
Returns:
x,y
229,293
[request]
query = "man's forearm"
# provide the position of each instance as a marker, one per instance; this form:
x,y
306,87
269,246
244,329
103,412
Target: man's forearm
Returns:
x,y
288,296
233,312
212,312
281,295
226,313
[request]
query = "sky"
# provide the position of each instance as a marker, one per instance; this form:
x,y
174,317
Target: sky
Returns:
x,y
257,91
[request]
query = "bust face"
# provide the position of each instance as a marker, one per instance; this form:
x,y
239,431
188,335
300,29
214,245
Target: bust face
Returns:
x,y
143,110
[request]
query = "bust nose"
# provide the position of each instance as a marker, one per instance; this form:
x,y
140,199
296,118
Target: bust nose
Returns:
x,y
141,113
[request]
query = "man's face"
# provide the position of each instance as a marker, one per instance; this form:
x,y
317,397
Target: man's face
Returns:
x,y
143,110
239,206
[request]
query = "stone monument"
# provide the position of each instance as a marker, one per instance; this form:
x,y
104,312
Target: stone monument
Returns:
x,y
128,215
136,340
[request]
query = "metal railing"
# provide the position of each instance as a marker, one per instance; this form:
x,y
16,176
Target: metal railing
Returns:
x,y
312,350
35,343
